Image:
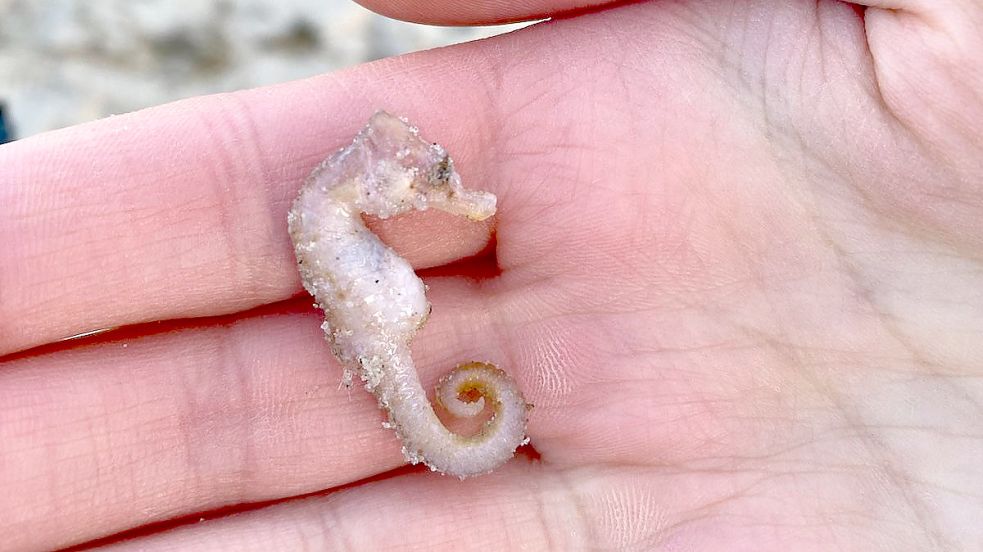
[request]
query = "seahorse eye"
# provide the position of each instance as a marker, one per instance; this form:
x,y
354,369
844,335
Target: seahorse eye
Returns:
x,y
441,172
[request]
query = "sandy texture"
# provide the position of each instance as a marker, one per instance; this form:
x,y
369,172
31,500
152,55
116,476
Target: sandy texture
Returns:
x,y
374,303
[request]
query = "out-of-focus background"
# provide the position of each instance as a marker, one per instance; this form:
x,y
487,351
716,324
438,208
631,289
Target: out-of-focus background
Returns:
x,y
64,62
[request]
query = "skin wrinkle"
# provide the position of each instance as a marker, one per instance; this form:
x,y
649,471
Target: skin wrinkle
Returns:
x,y
135,461
496,324
551,353
765,93
875,447
188,424
581,525
260,165
203,419
887,320
920,141
822,520
304,540
224,171
816,224
815,30
248,134
332,524
709,511
878,71
249,430
760,92
108,444
918,230
703,37
98,446
958,492
501,511
672,449
538,499
199,419
492,132
641,291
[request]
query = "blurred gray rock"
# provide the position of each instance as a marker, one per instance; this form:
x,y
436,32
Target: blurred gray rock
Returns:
x,y
64,62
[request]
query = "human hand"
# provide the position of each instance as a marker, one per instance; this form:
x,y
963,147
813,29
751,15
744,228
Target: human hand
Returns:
x,y
736,269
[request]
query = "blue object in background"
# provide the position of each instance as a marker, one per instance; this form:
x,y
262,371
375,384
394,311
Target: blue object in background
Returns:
x,y
5,134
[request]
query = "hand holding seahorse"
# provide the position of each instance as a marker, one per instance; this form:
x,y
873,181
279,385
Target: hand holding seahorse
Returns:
x,y
373,302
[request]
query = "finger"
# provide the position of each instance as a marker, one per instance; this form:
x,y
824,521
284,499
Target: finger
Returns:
x,y
102,438
522,507
482,12
930,77
925,6
180,211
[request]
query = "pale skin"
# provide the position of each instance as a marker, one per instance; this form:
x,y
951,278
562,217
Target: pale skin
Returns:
x,y
739,259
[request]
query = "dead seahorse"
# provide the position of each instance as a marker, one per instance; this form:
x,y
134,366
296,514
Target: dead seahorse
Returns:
x,y
374,303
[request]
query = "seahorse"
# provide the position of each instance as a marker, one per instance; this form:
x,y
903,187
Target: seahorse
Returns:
x,y
374,302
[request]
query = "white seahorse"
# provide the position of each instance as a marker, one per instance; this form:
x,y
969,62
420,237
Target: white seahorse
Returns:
x,y
373,302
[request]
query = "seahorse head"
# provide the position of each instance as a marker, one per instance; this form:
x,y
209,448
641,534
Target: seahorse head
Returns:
x,y
418,174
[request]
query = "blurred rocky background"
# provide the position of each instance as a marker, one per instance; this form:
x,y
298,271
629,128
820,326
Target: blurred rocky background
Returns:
x,y
64,62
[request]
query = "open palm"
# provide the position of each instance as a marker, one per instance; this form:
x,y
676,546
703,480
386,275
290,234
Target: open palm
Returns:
x,y
737,267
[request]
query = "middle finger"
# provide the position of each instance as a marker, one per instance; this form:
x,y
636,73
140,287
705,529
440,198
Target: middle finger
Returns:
x,y
106,437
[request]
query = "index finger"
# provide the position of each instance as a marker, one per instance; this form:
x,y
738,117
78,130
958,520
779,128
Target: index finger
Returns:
x,y
180,211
